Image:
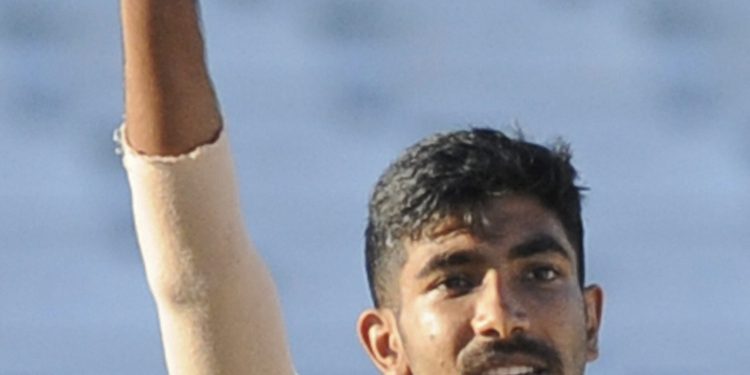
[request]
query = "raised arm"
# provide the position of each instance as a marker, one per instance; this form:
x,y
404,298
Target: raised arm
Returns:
x,y
217,305
170,106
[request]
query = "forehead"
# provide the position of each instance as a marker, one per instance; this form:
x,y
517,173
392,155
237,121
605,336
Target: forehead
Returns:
x,y
501,224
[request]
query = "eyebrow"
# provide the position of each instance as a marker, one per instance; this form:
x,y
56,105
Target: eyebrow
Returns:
x,y
539,244
451,259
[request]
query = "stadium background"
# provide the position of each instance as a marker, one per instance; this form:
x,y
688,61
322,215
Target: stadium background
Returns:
x,y
319,95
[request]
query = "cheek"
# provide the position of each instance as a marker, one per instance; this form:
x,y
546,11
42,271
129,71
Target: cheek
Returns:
x,y
444,323
558,306
431,325
443,328
561,319
434,336
564,304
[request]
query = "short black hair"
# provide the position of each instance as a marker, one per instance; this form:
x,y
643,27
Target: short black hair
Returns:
x,y
451,175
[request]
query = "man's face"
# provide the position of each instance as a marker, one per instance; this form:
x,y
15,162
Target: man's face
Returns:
x,y
507,303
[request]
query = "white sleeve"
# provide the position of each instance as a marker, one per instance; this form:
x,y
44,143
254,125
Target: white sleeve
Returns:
x,y
218,308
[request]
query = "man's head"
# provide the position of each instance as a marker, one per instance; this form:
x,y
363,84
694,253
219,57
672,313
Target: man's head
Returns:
x,y
474,251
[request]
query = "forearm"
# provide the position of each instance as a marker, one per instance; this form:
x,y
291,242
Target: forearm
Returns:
x,y
170,104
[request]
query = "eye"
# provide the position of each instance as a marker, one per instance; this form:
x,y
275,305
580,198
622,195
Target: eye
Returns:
x,y
542,274
457,284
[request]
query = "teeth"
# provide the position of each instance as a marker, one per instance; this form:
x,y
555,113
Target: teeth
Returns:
x,y
515,370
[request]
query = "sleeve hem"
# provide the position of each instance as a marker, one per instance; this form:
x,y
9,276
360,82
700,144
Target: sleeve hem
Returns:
x,y
128,152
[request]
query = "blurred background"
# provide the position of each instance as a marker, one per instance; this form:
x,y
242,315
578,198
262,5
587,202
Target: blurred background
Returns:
x,y
319,96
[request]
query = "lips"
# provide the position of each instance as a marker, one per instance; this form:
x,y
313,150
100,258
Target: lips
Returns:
x,y
518,355
513,364
516,367
515,370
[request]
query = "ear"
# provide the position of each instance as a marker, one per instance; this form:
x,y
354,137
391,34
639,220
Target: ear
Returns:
x,y
594,299
379,335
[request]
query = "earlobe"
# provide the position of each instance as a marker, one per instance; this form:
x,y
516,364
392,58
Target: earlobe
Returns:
x,y
378,334
594,300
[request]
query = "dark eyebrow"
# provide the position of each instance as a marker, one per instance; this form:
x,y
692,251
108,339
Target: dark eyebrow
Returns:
x,y
449,260
539,244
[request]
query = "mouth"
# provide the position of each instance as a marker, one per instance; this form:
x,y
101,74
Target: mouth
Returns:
x,y
517,356
515,365
516,370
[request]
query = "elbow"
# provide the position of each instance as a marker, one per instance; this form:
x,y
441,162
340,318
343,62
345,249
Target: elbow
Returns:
x,y
179,289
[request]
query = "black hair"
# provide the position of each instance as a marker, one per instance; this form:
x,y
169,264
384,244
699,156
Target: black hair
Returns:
x,y
453,174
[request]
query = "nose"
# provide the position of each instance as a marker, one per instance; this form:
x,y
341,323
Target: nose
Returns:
x,y
498,314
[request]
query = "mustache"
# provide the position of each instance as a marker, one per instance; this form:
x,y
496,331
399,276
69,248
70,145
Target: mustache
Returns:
x,y
481,356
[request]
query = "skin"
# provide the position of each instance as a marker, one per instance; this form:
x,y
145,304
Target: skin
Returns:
x,y
461,295
170,103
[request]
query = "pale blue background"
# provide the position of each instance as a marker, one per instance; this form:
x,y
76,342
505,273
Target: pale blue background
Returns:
x,y
319,96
